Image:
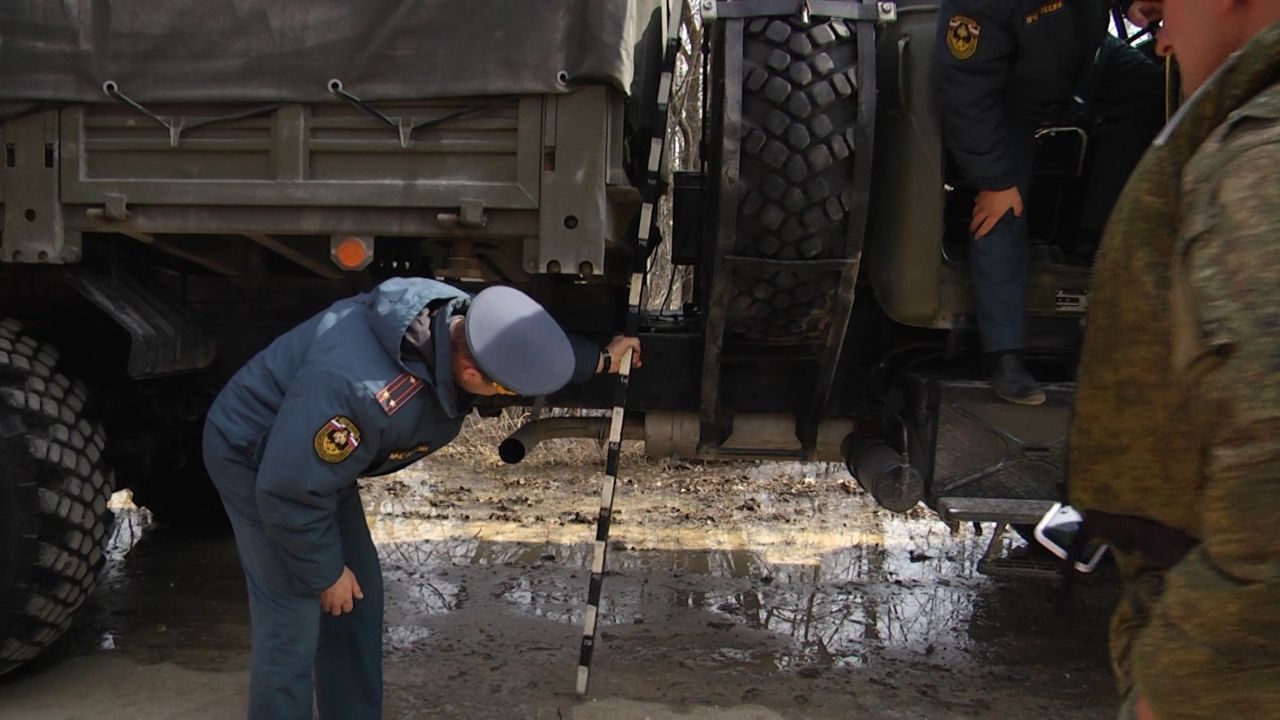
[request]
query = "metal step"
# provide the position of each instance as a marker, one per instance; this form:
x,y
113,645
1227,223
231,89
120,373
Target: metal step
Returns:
x,y
976,445
997,561
1041,566
999,510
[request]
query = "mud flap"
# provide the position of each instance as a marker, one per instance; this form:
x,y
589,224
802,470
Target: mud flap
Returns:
x,y
987,460
164,340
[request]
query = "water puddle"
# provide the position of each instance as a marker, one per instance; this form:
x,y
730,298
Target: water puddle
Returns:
x,y
730,573
756,591
846,583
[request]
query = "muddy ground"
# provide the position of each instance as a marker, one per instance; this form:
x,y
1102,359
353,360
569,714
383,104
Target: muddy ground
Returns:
x,y
735,591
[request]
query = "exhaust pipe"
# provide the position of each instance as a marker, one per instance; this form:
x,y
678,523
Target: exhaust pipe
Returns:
x,y
883,472
522,441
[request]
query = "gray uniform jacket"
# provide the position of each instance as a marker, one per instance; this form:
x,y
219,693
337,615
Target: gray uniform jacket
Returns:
x,y
337,398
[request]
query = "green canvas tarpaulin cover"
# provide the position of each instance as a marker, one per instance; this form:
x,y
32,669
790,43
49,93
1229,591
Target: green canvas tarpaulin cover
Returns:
x,y
160,51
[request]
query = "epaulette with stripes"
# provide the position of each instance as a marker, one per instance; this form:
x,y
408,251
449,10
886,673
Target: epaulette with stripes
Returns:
x,y
398,392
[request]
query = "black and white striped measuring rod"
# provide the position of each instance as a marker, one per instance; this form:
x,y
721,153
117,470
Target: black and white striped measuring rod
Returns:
x,y
648,216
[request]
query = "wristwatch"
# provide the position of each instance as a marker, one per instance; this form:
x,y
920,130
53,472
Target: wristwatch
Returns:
x,y
608,360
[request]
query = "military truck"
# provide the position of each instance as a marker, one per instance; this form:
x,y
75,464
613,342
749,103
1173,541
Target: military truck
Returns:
x,y
179,187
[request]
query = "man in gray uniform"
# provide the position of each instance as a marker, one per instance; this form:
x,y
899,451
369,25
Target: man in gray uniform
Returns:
x,y
1004,69
366,387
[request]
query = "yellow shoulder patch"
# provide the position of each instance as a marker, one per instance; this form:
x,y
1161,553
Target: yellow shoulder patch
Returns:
x,y
962,36
337,439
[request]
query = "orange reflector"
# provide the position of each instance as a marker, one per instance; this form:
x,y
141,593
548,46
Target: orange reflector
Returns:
x,y
351,253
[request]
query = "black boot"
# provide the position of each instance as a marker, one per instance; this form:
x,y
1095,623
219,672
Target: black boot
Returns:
x,y
1010,379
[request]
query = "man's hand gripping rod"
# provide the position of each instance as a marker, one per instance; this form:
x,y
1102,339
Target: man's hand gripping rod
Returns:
x,y
645,228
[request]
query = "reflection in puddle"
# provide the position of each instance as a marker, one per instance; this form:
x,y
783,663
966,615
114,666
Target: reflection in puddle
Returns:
x,y
401,638
848,585
890,583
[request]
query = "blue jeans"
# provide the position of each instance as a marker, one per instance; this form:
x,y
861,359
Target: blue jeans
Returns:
x,y
998,260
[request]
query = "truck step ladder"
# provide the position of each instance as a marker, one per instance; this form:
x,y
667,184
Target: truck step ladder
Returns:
x,y
1031,563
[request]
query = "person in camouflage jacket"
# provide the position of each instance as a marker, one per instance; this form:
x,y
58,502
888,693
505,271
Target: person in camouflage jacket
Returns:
x,y
1175,443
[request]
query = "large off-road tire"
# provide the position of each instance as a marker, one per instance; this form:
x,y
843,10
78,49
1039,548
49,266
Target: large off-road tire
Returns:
x,y
54,489
799,109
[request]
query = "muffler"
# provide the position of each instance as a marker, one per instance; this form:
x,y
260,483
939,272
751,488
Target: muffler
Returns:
x,y
883,472
519,443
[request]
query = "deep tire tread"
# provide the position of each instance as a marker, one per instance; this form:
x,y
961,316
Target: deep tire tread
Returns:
x,y
798,116
56,467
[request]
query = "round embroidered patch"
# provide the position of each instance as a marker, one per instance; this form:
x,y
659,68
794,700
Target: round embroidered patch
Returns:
x,y
337,439
962,36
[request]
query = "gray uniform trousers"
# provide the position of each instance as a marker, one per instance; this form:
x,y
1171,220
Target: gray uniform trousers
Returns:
x,y
292,639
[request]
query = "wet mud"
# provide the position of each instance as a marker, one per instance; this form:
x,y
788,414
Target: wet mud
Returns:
x,y
736,591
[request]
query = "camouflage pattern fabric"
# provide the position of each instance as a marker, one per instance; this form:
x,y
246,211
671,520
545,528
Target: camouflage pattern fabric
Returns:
x,y
1178,404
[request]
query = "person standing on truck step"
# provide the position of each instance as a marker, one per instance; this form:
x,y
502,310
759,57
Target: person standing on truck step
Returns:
x,y
366,387
1174,452
1004,69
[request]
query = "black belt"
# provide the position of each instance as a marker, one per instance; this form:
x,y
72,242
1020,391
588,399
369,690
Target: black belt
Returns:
x,y
1159,544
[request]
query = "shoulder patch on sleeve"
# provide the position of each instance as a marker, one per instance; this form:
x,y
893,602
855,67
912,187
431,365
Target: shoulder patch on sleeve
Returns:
x,y
962,36
337,439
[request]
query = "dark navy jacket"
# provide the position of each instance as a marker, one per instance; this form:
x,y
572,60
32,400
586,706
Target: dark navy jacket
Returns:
x,y
1005,66
337,398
